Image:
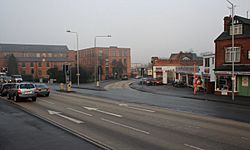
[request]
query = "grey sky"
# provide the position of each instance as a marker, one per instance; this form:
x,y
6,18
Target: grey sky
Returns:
x,y
148,27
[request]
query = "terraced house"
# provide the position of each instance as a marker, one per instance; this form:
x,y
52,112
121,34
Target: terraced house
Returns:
x,y
224,55
35,60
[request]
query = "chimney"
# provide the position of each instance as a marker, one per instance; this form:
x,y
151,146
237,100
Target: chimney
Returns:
x,y
227,20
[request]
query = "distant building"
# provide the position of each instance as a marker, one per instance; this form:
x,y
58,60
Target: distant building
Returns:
x,y
180,67
224,56
35,60
113,62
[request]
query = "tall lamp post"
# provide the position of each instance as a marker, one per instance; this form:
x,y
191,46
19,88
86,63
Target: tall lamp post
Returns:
x,y
98,62
233,50
77,57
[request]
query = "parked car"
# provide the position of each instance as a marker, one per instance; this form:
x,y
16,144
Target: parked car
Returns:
x,y
7,79
22,90
16,78
5,87
124,77
179,84
157,81
42,89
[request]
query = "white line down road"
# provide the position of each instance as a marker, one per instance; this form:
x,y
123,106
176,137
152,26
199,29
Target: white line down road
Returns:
x,y
136,108
63,116
104,112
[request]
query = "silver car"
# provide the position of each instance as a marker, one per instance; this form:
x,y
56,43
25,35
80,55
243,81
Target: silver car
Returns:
x,y
22,90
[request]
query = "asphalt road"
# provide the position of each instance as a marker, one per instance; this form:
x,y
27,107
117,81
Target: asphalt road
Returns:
x,y
123,125
22,131
120,92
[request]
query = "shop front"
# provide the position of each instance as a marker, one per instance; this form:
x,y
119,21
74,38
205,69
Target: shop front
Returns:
x,y
223,84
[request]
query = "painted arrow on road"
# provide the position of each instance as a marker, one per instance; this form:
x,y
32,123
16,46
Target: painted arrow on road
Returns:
x,y
63,116
101,111
136,108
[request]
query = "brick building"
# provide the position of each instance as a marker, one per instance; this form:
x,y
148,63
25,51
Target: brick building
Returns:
x,y
224,55
180,66
35,60
114,61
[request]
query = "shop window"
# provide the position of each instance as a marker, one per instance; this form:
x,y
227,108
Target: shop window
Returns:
x,y
224,83
229,54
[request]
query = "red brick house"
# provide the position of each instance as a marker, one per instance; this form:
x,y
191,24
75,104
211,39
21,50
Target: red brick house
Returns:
x,y
224,55
35,60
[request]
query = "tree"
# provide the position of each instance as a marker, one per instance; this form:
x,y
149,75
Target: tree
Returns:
x,y
118,68
12,65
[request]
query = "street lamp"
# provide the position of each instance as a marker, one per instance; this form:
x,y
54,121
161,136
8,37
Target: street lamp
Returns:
x,y
233,52
77,56
99,75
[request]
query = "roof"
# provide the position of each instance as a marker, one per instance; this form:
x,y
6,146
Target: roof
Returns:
x,y
33,48
246,30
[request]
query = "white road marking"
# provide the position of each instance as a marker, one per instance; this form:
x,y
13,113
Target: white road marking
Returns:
x,y
47,101
136,108
244,138
194,147
78,111
125,126
104,112
63,116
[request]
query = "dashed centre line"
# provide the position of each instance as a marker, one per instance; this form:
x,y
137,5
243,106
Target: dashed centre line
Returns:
x,y
78,111
125,126
194,147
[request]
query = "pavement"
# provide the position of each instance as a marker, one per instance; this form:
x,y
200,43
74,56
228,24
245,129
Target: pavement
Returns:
x,y
186,92
169,90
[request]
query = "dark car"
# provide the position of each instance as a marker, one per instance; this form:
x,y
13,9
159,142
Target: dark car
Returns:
x,y
22,90
4,88
124,77
42,90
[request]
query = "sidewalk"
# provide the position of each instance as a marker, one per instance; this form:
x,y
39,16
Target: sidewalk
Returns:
x,y
188,93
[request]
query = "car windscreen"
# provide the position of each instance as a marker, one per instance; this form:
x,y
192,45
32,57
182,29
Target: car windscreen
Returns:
x,y
26,86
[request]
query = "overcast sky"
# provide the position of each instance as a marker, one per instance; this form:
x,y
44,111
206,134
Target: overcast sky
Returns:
x,y
148,27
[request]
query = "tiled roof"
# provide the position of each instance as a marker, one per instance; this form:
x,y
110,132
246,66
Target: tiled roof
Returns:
x,y
33,48
246,30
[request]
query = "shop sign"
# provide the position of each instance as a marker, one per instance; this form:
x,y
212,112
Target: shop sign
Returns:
x,y
245,81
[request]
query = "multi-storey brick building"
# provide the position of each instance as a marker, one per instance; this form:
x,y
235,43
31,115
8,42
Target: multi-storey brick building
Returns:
x,y
224,57
35,60
113,61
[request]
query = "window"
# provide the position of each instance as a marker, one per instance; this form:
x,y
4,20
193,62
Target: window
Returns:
x,y
23,64
39,72
207,62
229,54
125,53
249,54
23,72
47,64
120,52
100,53
32,64
213,60
43,55
114,52
38,55
237,29
39,64
49,54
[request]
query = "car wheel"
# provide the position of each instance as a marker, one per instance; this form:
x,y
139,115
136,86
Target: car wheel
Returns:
x,y
34,99
15,98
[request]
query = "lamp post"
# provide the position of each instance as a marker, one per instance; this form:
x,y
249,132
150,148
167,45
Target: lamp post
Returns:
x,y
77,57
232,49
98,62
